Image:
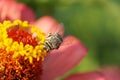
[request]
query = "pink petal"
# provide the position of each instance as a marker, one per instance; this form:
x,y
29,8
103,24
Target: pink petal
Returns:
x,y
86,76
49,25
111,73
65,58
12,10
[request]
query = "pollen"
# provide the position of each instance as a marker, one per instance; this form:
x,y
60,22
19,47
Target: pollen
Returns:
x,y
22,50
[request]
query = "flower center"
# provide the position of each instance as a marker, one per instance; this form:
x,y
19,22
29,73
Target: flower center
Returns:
x,y
22,50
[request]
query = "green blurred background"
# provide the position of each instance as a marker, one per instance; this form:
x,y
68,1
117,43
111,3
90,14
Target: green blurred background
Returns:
x,y
95,22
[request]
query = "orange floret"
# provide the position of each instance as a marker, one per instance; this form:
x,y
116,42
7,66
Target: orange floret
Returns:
x,y
22,36
18,69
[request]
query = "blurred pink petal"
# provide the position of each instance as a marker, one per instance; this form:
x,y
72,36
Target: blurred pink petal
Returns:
x,y
49,25
86,76
12,10
111,73
58,62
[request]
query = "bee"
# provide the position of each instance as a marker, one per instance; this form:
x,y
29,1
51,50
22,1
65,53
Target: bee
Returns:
x,y
53,41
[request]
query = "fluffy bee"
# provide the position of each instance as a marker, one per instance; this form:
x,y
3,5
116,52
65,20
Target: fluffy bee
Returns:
x,y
53,41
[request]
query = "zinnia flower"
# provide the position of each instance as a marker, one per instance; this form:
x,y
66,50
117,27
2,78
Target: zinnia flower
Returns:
x,y
22,51
22,45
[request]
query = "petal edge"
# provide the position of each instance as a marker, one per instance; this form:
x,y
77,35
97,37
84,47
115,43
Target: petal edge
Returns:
x,y
86,76
49,25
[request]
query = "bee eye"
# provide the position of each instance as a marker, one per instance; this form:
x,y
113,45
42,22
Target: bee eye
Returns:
x,y
53,41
